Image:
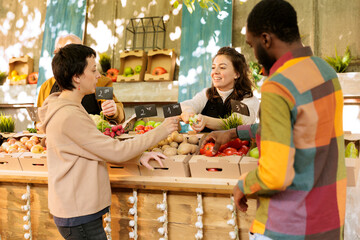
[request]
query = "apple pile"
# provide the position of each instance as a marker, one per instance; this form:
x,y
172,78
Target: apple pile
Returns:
x,y
114,131
159,71
24,144
140,127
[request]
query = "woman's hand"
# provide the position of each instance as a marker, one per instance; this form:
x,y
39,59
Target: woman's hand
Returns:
x,y
200,124
171,124
186,115
147,156
109,107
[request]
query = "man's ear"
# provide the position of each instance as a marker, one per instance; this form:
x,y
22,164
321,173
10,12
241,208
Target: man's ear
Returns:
x,y
266,39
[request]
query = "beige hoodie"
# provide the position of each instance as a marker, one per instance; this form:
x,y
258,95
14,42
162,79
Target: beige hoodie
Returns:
x,y
77,152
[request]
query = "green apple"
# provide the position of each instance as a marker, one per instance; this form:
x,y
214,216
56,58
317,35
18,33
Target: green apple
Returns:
x,y
254,152
128,71
150,123
157,124
137,69
139,122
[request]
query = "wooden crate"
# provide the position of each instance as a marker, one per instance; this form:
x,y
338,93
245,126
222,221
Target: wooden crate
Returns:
x,y
164,58
132,59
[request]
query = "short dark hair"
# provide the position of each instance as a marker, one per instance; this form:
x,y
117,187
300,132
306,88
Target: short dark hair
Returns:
x,y
70,61
274,16
242,84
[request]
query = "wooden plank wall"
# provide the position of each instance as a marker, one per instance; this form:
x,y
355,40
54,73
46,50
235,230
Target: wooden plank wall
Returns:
x,y
181,215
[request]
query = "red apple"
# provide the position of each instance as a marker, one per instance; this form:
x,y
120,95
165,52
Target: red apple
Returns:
x,y
139,127
33,78
148,128
159,71
112,73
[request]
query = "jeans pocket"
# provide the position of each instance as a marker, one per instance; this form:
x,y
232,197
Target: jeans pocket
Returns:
x,y
64,231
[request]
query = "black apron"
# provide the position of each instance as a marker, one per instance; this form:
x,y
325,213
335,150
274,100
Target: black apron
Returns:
x,y
89,101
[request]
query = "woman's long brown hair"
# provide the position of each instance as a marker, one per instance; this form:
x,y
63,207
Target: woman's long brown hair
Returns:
x,y
243,84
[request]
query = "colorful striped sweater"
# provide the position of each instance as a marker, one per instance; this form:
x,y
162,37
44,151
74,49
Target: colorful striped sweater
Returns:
x,y
300,181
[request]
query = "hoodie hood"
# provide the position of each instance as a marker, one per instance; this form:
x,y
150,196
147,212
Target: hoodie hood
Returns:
x,y
50,107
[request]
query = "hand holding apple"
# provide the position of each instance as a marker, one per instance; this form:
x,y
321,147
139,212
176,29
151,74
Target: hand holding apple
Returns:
x,y
108,107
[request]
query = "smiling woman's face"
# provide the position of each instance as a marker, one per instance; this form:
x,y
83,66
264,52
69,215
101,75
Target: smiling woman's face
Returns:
x,y
223,74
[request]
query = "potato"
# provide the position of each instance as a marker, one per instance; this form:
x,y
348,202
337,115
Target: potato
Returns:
x,y
179,138
165,147
163,142
174,144
194,148
184,149
170,151
157,150
193,139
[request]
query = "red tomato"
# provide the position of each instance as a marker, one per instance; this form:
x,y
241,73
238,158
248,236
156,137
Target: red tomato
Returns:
x,y
223,147
140,131
245,142
202,151
159,71
213,169
208,149
147,128
244,149
33,78
230,151
139,127
236,143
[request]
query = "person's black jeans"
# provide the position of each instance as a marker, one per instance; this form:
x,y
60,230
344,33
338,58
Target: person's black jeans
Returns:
x,y
93,230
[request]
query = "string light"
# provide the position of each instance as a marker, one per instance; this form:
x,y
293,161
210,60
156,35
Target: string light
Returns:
x,y
232,222
27,217
107,228
163,231
199,211
133,211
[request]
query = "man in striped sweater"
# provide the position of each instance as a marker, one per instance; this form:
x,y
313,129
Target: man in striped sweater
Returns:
x,y
300,181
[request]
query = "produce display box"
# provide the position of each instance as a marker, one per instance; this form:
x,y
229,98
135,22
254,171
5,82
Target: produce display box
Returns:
x,y
164,58
10,161
215,167
132,59
352,164
23,65
129,125
123,169
248,164
33,162
174,166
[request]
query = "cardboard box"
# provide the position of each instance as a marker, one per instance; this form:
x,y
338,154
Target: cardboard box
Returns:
x,y
248,164
352,171
164,58
123,169
132,59
10,161
33,162
129,124
23,65
352,164
215,167
174,166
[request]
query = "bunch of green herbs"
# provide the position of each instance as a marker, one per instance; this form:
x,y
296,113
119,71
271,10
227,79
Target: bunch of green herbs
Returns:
x,y
232,121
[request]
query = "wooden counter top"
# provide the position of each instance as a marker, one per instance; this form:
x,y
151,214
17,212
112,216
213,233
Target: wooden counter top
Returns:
x,y
180,184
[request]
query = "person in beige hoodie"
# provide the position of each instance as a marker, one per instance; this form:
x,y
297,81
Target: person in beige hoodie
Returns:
x,y
79,190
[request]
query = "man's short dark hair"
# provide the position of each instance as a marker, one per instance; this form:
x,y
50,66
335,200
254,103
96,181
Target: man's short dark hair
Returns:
x,y
70,61
274,16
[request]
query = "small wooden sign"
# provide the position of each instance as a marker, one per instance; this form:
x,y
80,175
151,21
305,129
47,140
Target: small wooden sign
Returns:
x,y
105,93
239,107
33,113
172,110
145,111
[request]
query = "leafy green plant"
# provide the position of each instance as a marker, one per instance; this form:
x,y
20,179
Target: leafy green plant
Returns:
x,y
105,62
7,123
232,121
3,76
340,64
204,4
255,69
